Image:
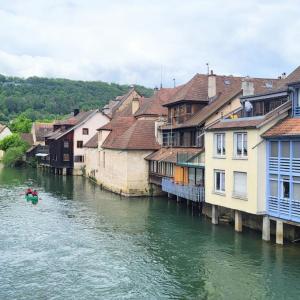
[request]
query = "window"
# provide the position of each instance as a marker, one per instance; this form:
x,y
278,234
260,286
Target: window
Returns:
x,y
66,144
285,188
274,149
219,181
85,131
192,176
199,177
298,98
220,144
181,138
296,188
188,108
66,157
285,149
79,158
79,144
240,184
193,138
296,149
273,186
240,145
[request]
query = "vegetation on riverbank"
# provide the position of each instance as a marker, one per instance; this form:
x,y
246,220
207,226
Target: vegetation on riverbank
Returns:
x,y
14,148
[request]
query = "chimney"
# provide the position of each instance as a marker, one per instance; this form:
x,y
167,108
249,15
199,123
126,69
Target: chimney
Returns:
x,y
247,86
283,76
135,105
212,85
76,112
155,90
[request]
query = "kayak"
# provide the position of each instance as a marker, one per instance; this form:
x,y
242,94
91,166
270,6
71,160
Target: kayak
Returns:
x,y
33,199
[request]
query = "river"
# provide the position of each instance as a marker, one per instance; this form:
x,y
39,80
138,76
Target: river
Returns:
x,y
80,242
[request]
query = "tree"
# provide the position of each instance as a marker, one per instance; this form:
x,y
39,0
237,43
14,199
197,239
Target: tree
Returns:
x,y
13,156
21,124
11,141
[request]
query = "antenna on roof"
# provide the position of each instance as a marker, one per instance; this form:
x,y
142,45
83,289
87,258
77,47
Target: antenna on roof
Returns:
x,y
207,64
161,71
174,80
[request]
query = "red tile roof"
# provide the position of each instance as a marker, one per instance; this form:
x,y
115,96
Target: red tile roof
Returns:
x,y
286,127
139,136
197,88
42,130
93,142
154,105
74,120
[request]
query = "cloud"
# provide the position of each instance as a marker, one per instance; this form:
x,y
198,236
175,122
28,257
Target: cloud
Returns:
x,y
131,41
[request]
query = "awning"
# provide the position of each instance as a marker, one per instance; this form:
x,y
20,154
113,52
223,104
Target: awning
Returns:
x,y
41,154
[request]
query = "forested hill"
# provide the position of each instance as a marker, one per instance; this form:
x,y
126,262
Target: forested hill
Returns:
x,y
45,98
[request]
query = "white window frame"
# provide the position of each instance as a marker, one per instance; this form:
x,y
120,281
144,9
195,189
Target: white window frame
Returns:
x,y
223,144
244,153
234,193
222,181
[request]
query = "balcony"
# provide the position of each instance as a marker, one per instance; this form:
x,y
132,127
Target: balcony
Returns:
x,y
190,192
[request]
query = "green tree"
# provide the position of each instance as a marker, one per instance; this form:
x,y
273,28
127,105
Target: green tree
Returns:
x,y
12,141
21,124
13,156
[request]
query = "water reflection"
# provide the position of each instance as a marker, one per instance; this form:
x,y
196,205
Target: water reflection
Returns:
x,y
83,243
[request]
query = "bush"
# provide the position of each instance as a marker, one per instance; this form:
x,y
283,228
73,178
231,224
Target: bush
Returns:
x,y
11,141
13,156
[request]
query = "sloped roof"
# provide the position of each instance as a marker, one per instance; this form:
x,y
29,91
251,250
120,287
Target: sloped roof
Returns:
x,y
139,136
92,142
75,120
286,127
197,88
251,122
170,154
42,130
154,104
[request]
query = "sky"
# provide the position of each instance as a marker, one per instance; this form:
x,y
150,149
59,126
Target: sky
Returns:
x,y
146,42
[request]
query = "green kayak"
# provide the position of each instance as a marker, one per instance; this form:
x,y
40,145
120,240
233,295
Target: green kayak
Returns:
x,y
33,199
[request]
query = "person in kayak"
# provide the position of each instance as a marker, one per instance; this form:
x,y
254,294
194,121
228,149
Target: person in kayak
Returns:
x,y
34,193
28,192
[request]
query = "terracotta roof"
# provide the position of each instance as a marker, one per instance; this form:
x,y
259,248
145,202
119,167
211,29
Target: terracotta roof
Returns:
x,y
118,123
170,154
251,122
42,130
154,105
27,137
74,120
93,142
197,88
140,135
286,127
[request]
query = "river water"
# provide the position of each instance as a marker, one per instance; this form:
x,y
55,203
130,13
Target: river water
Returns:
x,y
80,242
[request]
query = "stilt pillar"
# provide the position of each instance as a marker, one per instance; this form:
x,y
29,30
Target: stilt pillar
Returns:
x,y
215,214
279,232
178,199
188,202
169,195
238,221
64,171
266,229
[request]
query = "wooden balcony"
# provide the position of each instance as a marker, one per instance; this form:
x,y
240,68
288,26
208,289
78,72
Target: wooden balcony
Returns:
x,y
190,192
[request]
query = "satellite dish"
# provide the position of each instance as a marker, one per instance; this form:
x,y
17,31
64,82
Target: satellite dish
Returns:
x,y
248,106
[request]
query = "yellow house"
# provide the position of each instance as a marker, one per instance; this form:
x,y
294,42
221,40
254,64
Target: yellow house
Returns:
x,y
235,164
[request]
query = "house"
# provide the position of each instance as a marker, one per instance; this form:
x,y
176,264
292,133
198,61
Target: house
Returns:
x,y
235,161
4,132
283,166
126,140
179,166
39,131
65,142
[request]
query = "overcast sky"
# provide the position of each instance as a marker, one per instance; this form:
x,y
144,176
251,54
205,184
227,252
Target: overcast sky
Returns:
x,y
132,41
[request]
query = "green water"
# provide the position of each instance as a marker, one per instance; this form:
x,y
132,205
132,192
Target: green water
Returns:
x,y
79,242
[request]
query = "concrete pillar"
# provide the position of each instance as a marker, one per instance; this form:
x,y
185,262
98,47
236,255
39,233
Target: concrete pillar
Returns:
x,y
188,202
279,232
266,228
64,171
169,195
238,221
215,214
178,199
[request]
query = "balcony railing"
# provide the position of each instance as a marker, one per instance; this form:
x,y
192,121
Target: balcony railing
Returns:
x,y
190,192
